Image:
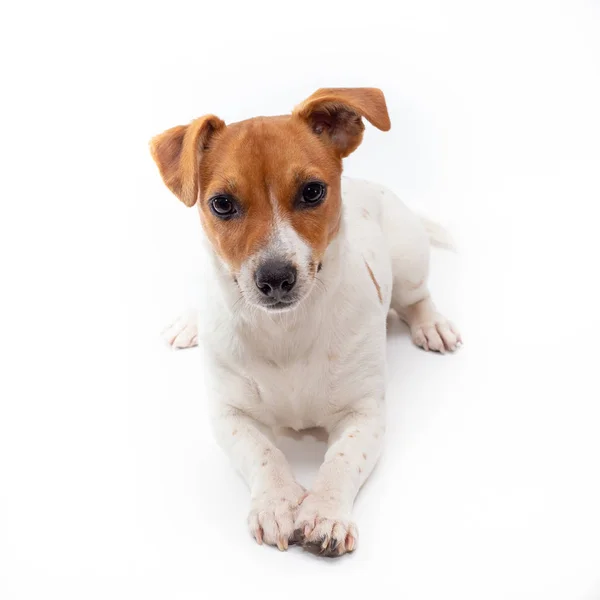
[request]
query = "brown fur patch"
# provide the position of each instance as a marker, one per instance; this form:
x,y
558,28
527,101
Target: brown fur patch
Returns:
x,y
375,283
263,163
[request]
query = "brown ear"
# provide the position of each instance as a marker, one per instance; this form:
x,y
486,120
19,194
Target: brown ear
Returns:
x,y
178,152
335,114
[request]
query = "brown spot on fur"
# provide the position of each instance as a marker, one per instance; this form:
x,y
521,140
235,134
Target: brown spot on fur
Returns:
x,y
332,356
234,432
375,283
351,435
340,454
359,470
364,456
264,463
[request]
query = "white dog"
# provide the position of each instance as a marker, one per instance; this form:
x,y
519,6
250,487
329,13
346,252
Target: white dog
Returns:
x,y
306,267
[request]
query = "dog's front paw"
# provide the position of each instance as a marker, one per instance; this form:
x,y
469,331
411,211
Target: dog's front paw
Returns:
x,y
326,528
182,333
273,512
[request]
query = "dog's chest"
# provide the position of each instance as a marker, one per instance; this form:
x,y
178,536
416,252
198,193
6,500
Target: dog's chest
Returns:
x,y
294,395
302,381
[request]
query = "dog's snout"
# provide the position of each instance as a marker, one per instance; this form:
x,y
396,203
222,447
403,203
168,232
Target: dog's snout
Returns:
x,y
275,278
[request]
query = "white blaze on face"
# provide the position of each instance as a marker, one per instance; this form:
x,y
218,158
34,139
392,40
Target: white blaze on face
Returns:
x,y
286,245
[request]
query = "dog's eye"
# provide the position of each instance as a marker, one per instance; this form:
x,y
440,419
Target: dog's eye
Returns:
x,y
222,206
313,193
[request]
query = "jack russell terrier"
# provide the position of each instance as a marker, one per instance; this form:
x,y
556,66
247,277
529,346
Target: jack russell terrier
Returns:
x,y
306,266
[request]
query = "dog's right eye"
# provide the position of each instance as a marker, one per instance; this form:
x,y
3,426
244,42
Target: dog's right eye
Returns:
x,y
222,206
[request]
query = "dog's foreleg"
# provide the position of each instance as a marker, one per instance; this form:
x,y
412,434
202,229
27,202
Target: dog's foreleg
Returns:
x,y
324,518
275,493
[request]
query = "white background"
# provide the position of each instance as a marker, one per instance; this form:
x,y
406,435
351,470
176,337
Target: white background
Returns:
x,y
110,483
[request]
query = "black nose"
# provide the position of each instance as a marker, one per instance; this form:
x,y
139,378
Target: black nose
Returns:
x,y
275,278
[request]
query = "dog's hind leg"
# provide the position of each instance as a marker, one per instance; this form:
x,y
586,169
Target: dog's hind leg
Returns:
x,y
409,239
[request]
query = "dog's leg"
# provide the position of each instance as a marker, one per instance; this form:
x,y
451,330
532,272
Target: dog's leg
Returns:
x,y
275,493
183,332
411,300
409,244
324,518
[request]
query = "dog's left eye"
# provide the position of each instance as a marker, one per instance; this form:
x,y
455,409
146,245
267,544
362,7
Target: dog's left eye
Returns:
x,y
313,193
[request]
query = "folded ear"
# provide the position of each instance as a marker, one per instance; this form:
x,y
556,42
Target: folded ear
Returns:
x,y
336,114
178,152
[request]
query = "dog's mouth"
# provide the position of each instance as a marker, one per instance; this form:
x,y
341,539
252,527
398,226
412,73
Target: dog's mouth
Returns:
x,y
281,305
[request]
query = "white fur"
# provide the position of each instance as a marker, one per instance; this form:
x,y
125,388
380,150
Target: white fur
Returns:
x,y
319,365
285,244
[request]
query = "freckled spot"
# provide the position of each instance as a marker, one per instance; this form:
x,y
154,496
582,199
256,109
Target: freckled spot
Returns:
x,y
364,456
351,435
283,500
267,450
264,463
359,470
340,454
234,432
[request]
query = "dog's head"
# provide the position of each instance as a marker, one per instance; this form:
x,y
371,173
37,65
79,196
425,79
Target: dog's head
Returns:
x,y
268,189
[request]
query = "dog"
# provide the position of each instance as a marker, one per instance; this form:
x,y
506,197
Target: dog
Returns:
x,y
306,265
